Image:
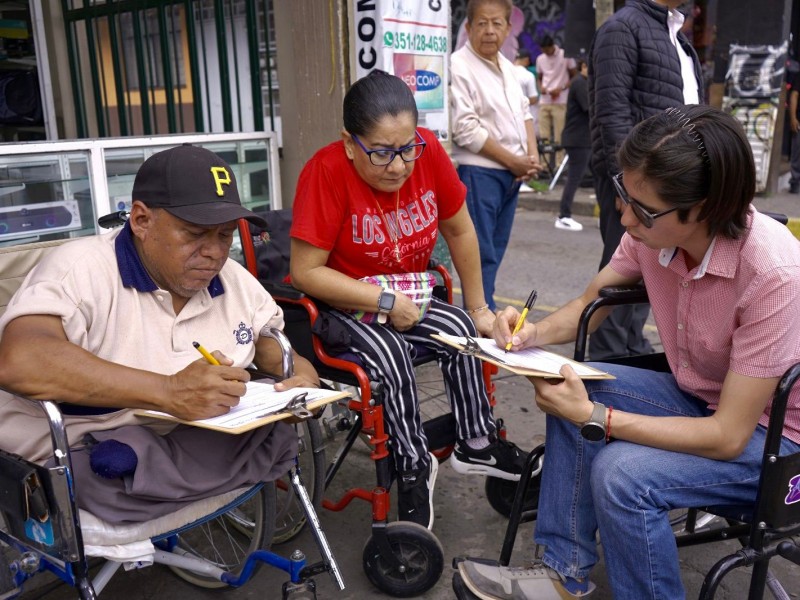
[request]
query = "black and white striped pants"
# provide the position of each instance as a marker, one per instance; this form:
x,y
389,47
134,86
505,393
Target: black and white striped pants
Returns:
x,y
387,357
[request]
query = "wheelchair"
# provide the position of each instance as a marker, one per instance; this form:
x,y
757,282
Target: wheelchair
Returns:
x,y
400,558
766,529
217,542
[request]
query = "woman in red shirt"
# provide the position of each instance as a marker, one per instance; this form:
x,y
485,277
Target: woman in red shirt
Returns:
x,y
374,203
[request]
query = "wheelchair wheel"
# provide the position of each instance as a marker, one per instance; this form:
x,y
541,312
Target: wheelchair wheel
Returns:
x,y
7,583
290,518
227,540
415,545
500,494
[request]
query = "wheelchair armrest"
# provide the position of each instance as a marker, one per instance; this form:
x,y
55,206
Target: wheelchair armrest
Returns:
x,y
625,294
447,279
283,291
58,433
779,217
607,296
287,360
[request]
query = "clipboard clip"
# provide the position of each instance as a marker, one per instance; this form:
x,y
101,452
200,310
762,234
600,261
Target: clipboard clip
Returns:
x,y
297,406
472,348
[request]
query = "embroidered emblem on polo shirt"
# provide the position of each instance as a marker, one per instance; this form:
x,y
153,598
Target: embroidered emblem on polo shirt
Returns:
x,y
244,334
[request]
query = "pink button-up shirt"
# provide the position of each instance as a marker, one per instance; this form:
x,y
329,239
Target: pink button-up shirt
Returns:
x,y
739,310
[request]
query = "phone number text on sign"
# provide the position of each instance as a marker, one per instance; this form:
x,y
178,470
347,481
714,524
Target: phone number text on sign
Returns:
x,y
403,40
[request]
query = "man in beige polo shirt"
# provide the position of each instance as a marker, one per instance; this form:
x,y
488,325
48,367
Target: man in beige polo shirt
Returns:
x,y
105,324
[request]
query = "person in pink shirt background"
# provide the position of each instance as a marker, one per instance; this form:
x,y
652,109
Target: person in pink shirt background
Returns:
x,y
554,72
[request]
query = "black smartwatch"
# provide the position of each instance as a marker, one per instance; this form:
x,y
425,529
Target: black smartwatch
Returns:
x,y
386,302
385,305
594,429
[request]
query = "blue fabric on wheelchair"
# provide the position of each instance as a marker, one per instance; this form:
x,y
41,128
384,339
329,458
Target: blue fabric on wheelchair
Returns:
x,y
112,459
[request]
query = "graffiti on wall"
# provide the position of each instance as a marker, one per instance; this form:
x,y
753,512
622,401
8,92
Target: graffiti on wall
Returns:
x,y
752,92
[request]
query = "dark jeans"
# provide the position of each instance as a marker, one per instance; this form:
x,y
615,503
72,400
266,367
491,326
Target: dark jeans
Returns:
x,y
621,334
578,161
492,201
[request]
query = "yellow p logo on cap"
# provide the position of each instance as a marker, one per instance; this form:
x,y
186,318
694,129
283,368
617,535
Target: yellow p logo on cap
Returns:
x,y
221,177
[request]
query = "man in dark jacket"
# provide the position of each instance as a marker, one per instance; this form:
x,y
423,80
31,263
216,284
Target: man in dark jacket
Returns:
x,y
640,64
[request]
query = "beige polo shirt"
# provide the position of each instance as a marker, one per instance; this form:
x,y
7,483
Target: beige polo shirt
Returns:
x,y
110,306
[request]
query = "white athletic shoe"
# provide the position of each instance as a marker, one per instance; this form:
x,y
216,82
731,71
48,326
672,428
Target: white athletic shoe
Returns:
x,y
568,223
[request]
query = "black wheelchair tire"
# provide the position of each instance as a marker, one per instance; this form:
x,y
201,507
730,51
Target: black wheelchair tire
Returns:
x,y
415,544
290,518
257,512
500,494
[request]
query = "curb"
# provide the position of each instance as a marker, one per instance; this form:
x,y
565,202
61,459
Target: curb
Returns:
x,y
583,203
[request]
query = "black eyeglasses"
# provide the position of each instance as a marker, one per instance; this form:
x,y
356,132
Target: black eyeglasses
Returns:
x,y
385,156
645,217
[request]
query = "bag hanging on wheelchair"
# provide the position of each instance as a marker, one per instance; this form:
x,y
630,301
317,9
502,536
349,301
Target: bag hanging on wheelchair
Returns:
x,y
417,286
22,495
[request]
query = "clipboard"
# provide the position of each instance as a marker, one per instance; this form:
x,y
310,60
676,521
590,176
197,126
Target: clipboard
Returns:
x,y
531,362
261,405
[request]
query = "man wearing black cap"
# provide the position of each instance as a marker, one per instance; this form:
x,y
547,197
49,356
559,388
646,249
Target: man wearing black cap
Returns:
x,y
106,324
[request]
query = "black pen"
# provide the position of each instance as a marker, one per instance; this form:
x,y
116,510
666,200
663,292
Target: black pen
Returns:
x,y
528,305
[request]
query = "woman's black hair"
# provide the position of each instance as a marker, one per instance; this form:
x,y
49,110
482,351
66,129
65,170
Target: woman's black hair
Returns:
x,y
696,154
374,97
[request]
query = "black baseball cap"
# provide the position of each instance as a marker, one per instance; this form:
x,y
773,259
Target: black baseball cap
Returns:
x,y
194,184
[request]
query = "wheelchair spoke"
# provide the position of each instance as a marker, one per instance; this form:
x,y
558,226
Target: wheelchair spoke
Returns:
x,y
227,540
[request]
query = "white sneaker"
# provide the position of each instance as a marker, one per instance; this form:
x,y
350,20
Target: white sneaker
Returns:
x,y
526,188
568,223
491,582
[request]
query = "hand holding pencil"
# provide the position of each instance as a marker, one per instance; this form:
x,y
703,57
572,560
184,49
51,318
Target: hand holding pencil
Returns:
x,y
206,354
521,321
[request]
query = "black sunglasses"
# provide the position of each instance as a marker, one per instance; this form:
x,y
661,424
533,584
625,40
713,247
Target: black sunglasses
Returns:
x,y
645,217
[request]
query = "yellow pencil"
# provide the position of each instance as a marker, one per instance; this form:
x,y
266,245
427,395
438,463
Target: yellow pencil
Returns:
x,y
521,320
206,354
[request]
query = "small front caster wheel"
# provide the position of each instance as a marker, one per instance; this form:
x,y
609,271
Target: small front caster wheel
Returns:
x,y
419,551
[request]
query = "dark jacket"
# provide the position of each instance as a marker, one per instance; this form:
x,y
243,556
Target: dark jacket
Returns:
x,y
634,73
576,123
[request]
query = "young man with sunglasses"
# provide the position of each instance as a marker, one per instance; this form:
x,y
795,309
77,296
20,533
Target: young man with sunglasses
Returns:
x,y
724,285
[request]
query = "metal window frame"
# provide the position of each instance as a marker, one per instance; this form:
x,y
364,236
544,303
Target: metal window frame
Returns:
x,y
96,149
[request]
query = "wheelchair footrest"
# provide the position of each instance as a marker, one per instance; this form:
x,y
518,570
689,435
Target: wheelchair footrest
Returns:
x,y
440,431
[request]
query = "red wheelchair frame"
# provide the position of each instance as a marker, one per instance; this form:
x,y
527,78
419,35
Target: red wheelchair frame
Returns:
x,y
390,570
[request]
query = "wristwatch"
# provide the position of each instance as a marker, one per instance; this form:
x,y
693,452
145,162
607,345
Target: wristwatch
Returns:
x,y
385,305
594,429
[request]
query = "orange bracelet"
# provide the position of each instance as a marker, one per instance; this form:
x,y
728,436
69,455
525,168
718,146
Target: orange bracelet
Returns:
x,y
608,424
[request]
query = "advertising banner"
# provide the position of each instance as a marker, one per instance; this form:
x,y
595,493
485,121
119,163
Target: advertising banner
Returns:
x,y
410,39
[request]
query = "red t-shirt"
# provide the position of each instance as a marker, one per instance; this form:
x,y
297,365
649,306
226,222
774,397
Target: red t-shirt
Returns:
x,y
336,210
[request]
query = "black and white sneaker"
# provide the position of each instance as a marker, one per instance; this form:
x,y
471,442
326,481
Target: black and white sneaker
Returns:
x,y
500,459
415,494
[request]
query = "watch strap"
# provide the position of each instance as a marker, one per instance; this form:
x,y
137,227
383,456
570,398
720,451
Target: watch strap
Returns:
x,y
598,414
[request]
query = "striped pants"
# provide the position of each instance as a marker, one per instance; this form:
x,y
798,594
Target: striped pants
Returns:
x,y
387,357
